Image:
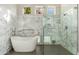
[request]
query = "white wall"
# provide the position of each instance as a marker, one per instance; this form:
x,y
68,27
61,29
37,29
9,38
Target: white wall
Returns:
x,y
6,26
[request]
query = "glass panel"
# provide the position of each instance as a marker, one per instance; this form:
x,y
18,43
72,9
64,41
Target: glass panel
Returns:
x,y
69,27
59,32
47,26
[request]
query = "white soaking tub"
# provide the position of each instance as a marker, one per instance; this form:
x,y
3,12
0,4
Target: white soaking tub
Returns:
x,y
24,43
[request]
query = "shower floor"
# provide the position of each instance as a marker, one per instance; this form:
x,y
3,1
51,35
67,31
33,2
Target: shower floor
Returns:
x,y
44,50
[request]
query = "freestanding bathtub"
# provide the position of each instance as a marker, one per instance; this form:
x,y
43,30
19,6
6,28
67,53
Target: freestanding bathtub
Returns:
x,y
24,44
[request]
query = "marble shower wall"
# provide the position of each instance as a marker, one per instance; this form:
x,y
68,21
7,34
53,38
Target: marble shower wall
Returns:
x,y
36,22
51,29
7,22
69,27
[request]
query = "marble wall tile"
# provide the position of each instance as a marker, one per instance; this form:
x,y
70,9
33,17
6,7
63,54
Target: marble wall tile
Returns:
x,y
6,27
69,34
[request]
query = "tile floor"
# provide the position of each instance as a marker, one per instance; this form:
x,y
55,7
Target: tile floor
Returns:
x,y
44,50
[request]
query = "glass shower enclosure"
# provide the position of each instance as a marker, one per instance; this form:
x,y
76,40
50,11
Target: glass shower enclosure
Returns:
x,y
61,29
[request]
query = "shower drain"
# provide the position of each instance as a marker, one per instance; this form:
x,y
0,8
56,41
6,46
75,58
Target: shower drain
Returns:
x,y
53,41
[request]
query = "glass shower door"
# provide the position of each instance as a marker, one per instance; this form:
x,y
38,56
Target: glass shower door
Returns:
x,y
47,30
60,30
69,28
